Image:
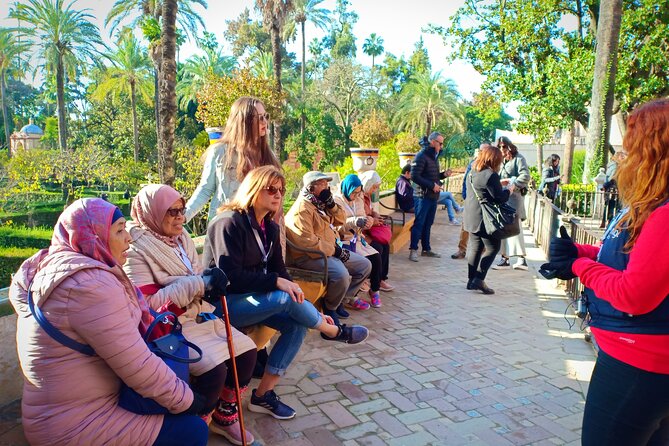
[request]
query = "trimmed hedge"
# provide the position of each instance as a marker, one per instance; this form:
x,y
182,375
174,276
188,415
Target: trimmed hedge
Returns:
x,y
10,260
23,237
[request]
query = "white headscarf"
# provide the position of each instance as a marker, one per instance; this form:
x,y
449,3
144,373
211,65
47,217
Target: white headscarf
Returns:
x,y
369,179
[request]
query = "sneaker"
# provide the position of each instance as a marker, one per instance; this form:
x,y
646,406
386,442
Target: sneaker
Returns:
x,y
520,264
413,255
458,255
350,335
430,254
270,404
478,284
502,264
359,305
459,210
341,312
385,286
375,299
365,286
454,222
232,433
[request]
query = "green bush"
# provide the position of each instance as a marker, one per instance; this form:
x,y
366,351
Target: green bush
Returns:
x,y
24,237
577,166
10,260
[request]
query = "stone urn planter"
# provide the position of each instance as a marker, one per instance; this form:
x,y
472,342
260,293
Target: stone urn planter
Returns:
x,y
215,134
364,159
406,158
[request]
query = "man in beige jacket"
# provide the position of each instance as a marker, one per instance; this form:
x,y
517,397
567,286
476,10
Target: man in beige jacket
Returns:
x,y
310,224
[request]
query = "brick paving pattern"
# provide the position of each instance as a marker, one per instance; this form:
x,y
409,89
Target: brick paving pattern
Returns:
x,y
442,366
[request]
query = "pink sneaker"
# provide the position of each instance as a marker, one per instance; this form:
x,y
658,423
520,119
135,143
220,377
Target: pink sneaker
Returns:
x,y
232,433
375,299
359,304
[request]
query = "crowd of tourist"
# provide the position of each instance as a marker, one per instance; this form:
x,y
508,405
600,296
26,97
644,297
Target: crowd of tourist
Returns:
x,y
87,305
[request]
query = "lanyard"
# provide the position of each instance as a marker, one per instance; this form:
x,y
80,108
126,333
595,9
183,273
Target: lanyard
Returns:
x,y
261,245
184,258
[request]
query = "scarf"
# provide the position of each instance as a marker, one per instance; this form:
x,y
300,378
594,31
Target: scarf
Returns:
x,y
313,199
150,206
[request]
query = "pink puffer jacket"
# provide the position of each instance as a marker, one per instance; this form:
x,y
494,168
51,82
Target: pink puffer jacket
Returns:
x,y
70,398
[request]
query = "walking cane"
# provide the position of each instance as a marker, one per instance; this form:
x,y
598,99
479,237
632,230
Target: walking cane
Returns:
x,y
231,350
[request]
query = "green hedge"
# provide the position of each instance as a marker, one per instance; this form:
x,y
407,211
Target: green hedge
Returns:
x,y
23,237
10,260
47,214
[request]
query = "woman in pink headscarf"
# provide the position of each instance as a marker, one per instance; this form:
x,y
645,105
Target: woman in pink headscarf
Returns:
x,y
163,263
71,398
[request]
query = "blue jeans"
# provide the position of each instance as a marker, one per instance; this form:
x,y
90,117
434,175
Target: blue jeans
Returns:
x,y
182,430
422,224
625,405
277,310
446,199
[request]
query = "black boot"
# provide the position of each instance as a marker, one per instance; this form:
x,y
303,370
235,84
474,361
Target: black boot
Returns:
x,y
478,284
470,286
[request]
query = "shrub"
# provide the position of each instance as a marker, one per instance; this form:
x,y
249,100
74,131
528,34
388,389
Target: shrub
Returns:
x,y
405,142
577,166
24,237
372,131
10,260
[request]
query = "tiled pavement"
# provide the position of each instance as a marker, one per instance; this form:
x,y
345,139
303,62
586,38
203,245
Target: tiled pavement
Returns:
x,y
442,366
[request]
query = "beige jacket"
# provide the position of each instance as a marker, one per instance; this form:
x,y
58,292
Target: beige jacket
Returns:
x,y
151,261
307,227
353,211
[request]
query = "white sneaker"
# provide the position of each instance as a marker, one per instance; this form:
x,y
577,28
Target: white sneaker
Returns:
x,y
520,264
503,263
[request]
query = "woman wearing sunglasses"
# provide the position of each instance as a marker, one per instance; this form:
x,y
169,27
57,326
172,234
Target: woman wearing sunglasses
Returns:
x,y
163,263
244,241
242,147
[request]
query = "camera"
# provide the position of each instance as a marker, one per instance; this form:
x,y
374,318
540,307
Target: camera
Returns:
x,y
581,307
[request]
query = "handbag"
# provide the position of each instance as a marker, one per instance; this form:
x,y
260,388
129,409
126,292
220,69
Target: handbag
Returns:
x,y
171,348
380,234
500,221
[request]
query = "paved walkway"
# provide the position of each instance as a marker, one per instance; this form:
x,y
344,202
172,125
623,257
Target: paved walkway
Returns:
x,y
442,366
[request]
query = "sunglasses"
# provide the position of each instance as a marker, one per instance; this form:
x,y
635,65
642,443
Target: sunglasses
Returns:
x,y
263,117
273,190
176,212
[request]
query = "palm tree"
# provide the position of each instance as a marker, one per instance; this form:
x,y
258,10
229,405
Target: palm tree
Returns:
x,y
373,46
130,74
195,71
262,65
275,13
62,37
10,48
427,99
167,94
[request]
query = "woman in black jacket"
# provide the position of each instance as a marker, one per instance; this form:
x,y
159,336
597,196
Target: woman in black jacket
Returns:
x,y
244,241
484,182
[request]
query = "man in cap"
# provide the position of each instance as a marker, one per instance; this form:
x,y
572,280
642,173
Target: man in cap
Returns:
x,y
310,224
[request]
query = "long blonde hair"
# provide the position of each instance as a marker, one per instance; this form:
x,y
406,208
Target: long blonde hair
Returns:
x,y
252,185
643,177
245,148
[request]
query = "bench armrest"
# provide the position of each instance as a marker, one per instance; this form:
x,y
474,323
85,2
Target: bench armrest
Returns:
x,y
307,272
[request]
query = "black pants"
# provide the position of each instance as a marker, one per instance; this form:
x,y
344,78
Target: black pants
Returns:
x,y
478,261
384,251
210,384
625,406
375,275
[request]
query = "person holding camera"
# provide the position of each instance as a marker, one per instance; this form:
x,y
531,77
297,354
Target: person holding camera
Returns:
x,y
163,263
627,292
514,173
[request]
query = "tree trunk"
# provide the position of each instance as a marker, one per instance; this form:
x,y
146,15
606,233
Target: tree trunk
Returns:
x,y
568,156
303,118
5,118
622,123
606,62
540,156
168,99
276,51
60,102
135,125
155,52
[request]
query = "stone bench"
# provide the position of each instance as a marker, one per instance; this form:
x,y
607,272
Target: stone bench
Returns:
x,y
402,221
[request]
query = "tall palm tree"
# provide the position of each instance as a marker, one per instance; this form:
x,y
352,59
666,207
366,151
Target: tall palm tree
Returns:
x,y
62,37
130,74
427,99
167,94
262,65
275,13
373,46
195,71
10,48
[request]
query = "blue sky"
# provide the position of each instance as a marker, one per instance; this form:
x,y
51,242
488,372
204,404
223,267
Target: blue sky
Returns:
x,y
399,23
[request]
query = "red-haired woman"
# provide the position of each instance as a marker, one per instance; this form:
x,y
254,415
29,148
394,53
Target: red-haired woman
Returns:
x,y
483,182
627,293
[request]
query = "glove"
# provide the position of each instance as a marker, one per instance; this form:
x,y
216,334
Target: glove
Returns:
x,y
561,270
197,407
361,222
215,284
326,197
562,248
345,255
338,250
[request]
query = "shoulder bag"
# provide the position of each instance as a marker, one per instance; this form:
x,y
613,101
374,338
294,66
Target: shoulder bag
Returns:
x,y
171,348
499,220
